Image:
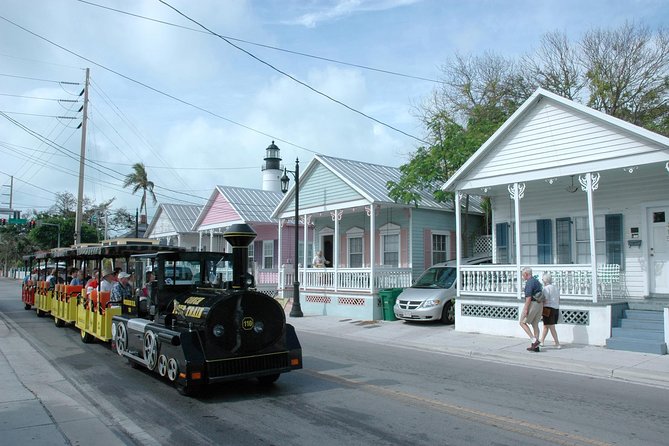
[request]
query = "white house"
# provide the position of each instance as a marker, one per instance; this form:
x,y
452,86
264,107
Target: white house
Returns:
x,y
580,194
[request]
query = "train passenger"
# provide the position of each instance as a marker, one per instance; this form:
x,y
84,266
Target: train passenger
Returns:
x,y
71,274
107,281
121,289
92,284
148,278
78,278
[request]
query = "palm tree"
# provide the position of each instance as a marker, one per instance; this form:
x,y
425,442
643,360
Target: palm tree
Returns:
x,y
139,180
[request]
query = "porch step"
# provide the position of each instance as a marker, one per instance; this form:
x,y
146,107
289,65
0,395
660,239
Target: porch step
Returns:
x,y
637,345
639,331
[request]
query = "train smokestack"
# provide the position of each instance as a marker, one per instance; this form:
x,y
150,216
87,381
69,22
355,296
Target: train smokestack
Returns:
x,y
240,236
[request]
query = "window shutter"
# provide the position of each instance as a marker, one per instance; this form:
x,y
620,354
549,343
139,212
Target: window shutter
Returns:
x,y
427,248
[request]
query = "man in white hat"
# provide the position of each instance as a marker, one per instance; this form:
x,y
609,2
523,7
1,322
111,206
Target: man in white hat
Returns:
x,y
122,289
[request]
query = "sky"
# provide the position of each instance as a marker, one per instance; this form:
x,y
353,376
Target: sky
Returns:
x,y
199,110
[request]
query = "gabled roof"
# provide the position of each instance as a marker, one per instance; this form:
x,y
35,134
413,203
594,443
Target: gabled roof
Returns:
x,y
242,205
180,216
539,110
366,179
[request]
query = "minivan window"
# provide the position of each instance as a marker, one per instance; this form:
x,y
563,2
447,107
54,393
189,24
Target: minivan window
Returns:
x,y
436,278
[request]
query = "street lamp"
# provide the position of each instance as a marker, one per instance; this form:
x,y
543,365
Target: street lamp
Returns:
x,y
296,310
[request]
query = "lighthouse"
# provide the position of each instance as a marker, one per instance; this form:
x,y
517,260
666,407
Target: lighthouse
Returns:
x,y
271,170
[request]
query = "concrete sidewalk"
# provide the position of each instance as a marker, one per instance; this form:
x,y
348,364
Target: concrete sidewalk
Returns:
x,y
640,368
39,406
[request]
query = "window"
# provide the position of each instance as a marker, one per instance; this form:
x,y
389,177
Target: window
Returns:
x,y
251,254
268,254
440,247
614,239
354,247
544,242
528,242
502,242
390,244
355,252
582,228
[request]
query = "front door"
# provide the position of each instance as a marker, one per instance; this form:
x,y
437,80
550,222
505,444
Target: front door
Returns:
x,y
658,247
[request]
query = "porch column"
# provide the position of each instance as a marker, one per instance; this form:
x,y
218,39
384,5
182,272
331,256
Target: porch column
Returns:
x,y
199,241
211,240
305,234
179,240
517,191
372,250
336,216
279,251
458,243
590,183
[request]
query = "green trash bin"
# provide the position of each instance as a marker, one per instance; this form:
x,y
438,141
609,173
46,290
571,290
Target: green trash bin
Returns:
x,y
388,297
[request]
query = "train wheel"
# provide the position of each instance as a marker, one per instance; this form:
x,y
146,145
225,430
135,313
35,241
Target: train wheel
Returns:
x,y
121,338
86,337
268,379
172,369
27,307
58,322
162,365
150,350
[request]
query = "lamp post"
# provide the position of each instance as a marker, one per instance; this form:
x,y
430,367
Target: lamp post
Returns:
x,y
296,310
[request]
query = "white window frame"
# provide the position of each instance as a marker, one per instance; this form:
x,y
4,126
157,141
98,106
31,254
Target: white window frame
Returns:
x,y
355,233
267,254
447,249
390,229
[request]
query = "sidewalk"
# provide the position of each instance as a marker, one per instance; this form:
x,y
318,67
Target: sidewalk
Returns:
x,y
39,407
640,368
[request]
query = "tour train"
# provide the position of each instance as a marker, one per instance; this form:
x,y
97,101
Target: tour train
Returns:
x,y
199,321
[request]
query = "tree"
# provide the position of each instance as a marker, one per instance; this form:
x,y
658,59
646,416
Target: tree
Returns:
x,y
138,179
622,72
627,72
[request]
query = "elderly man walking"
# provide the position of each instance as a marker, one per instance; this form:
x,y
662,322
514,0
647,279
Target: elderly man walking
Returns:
x,y
532,309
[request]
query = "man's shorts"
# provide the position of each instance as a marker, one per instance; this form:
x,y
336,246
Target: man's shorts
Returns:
x,y
533,314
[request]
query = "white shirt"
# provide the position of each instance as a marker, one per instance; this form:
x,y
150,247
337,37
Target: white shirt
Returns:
x,y
106,285
552,295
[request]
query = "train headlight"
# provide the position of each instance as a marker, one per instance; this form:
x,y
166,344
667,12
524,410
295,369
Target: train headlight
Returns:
x,y
218,330
259,327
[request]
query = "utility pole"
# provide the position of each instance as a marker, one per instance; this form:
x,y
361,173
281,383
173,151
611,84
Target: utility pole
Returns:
x,y
82,158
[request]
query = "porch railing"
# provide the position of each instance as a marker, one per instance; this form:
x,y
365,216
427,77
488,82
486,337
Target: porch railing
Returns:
x,y
574,281
346,279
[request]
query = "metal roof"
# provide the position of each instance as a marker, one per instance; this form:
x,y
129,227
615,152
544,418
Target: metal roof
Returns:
x,y
182,216
252,205
371,180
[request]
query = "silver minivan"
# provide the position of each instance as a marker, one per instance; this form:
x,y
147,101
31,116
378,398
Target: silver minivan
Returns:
x,y
432,296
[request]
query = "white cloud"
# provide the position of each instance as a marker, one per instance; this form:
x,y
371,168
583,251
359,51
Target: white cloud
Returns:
x,y
343,8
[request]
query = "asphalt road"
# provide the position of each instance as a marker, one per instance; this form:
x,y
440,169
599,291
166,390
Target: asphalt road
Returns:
x,y
357,393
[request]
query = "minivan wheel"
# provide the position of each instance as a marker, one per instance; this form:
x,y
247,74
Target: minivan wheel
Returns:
x,y
448,313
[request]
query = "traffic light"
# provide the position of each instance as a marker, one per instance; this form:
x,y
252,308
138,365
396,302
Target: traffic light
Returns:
x,y
3,221
32,224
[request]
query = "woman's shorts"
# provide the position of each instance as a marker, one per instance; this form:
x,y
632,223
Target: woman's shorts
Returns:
x,y
552,318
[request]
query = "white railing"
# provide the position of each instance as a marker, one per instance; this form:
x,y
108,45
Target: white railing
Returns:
x,y
574,281
267,277
346,279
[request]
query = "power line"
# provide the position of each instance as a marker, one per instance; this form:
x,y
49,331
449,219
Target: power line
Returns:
x,y
262,45
155,90
304,84
39,79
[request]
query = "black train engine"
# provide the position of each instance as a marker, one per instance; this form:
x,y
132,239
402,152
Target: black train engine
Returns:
x,y
197,328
